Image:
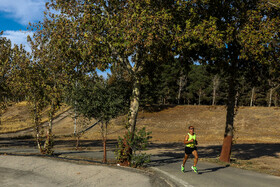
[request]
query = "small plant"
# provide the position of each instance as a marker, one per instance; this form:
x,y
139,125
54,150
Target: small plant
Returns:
x,y
129,149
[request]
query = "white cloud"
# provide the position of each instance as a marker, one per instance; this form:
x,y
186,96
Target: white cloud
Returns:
x,y
18,37
23,11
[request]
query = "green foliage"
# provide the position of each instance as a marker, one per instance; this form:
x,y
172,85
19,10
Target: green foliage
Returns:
x,y
199,82
6,53
130,149
98,100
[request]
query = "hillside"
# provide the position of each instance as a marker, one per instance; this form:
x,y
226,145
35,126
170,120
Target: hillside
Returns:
x,y
18,117
252,124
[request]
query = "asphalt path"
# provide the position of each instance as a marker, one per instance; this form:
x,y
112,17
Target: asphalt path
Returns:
x,y
44,172
210,174
34,171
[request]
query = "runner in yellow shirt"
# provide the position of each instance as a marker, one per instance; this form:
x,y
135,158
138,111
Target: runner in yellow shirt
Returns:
x,y
190,142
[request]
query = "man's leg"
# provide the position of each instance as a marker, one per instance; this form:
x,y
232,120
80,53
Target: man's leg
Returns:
x,y
195,157
185,159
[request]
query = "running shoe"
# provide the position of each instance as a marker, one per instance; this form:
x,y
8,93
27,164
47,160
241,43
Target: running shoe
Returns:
x,y
182,168
194,169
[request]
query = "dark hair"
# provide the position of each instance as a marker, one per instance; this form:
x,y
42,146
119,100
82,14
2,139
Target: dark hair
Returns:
x,y
191,126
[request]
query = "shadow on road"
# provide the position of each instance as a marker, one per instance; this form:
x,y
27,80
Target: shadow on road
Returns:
x,y
30,143
169,152
175,152
208,170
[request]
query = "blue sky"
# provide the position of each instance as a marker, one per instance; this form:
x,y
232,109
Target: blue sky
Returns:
x,y
15,16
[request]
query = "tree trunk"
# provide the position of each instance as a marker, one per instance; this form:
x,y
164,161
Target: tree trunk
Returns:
x,y
214,96
75,122
252,97
78,141
228,135
38,139
104,139
37,128
50,125
199,96
270,97
104,151
182,82
49,131
180,89
216,82
134,105
75,117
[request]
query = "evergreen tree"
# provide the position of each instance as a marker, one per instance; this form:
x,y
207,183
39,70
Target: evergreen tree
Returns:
x,y
199,84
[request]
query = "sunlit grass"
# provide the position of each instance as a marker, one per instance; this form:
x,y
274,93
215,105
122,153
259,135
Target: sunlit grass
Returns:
x,y
18,117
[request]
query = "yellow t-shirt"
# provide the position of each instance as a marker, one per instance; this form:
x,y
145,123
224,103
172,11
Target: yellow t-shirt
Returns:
x,y
192,144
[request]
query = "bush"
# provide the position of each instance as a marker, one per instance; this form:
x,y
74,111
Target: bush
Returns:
x,y
129,151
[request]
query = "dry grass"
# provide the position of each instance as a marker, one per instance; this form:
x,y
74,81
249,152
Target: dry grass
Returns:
x,y
252,125
18,117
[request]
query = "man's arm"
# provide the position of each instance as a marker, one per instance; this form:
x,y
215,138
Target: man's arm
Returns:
x,y
186,140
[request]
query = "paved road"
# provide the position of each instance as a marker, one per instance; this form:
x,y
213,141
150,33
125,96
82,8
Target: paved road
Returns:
x,y
211,174
35,171
166,167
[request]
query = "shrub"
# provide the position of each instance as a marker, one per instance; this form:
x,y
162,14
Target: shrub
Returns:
x,y
129,151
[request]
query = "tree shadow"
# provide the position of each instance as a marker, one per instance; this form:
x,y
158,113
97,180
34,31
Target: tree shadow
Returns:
x,y
209,170
30,143
175,152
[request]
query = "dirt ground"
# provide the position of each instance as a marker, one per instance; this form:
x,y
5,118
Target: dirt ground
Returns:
x,y
256,141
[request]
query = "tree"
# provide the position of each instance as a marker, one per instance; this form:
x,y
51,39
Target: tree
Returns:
x,y
96,99
6,53
199,82
28,79
117,33
247,29
273,81
55,75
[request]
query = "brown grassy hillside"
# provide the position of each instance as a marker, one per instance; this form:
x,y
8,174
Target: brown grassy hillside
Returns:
x,y
18,117
252,124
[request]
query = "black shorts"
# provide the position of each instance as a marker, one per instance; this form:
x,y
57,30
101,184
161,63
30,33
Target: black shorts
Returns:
x,y
189,150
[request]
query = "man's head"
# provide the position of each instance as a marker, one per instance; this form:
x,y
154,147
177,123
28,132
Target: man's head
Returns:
x,y
191,129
